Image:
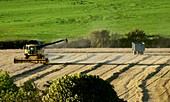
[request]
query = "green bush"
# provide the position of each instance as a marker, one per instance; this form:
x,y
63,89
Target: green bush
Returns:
x,y
136,35
99,38
6,82
29,93
80,88
21,95
7,87
9,92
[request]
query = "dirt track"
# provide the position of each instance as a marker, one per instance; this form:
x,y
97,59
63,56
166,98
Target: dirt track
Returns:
x,y
136,78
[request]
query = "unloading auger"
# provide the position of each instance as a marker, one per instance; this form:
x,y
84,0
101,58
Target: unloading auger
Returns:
x,y
34,52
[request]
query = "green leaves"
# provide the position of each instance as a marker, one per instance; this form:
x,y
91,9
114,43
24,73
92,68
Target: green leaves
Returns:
x,y
100,38
7,87
74,88
10,92
6,83
83,88
136,35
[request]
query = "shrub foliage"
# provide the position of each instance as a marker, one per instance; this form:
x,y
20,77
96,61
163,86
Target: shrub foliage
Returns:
x,y
7,87
99,38
75,88
136,35
81,88
9,92
6,82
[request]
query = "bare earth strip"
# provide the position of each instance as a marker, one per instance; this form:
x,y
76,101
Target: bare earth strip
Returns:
x,y
136,78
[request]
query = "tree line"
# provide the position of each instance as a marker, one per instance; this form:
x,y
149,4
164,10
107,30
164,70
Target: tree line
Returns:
x,y
104,39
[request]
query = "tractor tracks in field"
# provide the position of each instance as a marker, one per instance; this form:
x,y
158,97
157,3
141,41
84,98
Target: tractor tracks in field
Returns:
x,y
117,74
29,72
100,64
145,97
61,66
141,79
36,73
136,77
141,70
113,72
41,71
22,68
161,76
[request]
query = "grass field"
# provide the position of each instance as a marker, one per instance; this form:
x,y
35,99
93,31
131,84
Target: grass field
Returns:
x,y
49,20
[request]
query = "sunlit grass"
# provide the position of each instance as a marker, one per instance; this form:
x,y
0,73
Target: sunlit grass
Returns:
x,y
49,20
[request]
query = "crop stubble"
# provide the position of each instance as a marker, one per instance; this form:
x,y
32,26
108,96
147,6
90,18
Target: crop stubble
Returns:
x,y
135,77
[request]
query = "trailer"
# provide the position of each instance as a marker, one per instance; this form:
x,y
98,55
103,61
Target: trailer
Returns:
x,y
138,48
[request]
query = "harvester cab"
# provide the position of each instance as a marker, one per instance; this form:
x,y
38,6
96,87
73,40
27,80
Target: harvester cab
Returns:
x,y
34,50
31,50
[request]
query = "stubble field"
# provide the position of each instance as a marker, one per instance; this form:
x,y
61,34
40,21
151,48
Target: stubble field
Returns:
x,y
136,78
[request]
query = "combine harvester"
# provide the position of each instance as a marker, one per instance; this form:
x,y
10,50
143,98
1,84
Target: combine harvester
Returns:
x,y
34,52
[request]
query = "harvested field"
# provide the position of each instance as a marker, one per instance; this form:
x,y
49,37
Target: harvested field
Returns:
x,y
136,78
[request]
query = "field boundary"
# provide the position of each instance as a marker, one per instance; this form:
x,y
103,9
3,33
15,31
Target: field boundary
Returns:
x,y
106,50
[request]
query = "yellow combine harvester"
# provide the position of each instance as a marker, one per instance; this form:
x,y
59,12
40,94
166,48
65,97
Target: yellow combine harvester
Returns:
x,y
34,52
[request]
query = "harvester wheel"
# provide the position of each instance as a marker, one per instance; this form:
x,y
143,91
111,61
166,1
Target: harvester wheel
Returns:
x,y
134,52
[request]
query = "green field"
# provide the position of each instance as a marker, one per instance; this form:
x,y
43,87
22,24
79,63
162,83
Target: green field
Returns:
x,y
49,20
